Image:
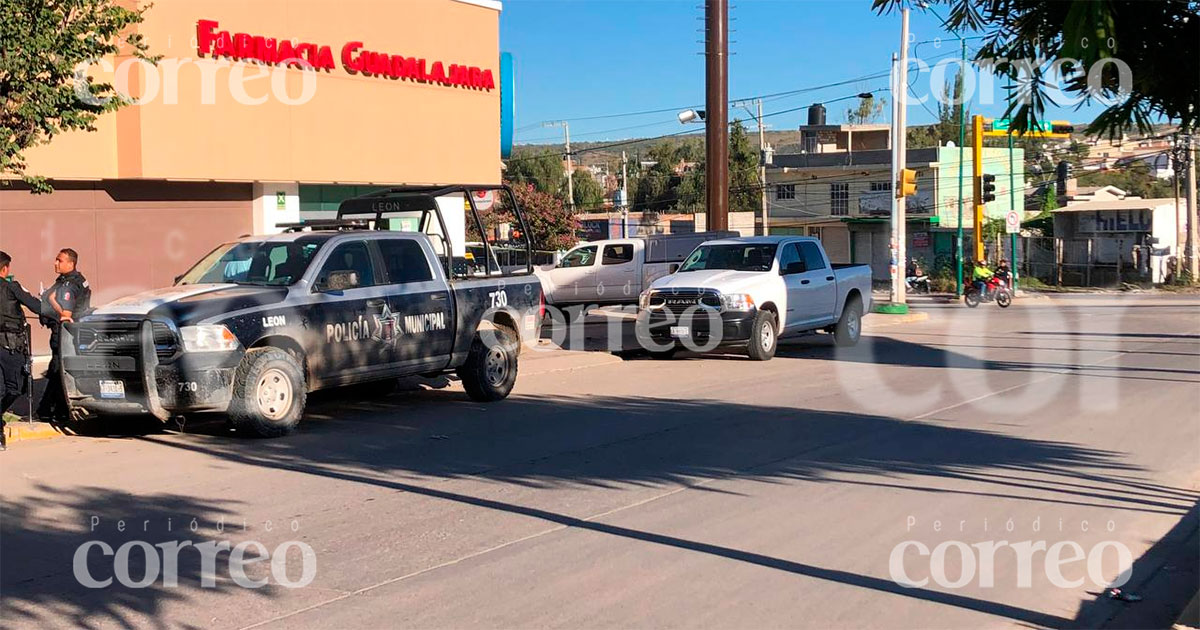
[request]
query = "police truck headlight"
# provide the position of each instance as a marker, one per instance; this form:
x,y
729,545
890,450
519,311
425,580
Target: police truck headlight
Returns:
x,y
737,302
211,338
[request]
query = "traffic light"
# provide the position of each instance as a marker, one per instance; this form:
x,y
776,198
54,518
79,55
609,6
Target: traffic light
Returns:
x,y
907,185
989,187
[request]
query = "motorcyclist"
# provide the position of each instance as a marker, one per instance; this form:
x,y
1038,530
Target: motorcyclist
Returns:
x,y
980,274
1003,272
913,274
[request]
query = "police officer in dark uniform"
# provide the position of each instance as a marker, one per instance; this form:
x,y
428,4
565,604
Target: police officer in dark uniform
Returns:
x,y
69,297
14,338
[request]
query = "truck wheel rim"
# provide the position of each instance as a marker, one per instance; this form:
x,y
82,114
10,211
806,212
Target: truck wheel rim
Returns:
x,y
274,394
852,325
767,336
496,366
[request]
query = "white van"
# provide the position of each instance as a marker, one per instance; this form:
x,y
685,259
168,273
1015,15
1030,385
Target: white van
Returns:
x,y
616,271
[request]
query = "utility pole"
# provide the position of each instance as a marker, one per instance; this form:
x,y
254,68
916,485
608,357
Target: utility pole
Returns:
x,y
716,132
1012,205
900,153
977,167
570,168
1193,234
624,196
762,172
962,142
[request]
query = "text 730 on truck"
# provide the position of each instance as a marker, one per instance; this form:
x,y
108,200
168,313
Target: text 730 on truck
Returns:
x,y
381,292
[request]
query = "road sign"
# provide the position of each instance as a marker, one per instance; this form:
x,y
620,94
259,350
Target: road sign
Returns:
x,y
1045,128
484,199
1012,222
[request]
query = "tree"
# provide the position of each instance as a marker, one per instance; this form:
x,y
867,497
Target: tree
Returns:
x,y
589,194
950,119
1100,45
869,110
541,168
551,226
1049,199
41,43
744,185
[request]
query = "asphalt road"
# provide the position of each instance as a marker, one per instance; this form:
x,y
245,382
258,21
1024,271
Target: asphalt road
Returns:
x,y
701,492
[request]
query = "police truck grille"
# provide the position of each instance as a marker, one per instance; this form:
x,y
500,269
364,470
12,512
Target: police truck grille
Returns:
x,y
123,339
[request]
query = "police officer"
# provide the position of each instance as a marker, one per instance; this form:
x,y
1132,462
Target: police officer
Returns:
x,y
69,297
14,338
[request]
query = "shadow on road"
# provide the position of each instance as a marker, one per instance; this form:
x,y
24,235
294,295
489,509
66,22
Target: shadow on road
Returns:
x,y
41,536
411,443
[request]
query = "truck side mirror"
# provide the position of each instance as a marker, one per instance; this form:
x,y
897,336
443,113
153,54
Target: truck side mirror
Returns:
x,y
674,267
340,281
178,278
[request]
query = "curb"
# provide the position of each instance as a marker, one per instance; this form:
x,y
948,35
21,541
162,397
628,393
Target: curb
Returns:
x,y
880,320
22,431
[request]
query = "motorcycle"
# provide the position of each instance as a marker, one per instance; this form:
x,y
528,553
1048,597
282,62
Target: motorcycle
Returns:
x,y
995,289
917,284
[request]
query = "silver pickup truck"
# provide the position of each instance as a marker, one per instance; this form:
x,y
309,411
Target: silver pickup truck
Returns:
x,y
752,291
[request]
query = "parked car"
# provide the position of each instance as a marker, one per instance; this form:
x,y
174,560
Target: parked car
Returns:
x,y
261,321
617,271
752,291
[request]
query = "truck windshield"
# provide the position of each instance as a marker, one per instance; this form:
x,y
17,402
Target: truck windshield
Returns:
x,y
735,257
264,263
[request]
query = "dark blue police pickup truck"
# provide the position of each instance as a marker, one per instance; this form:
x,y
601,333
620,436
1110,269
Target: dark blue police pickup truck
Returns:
x,y
376,294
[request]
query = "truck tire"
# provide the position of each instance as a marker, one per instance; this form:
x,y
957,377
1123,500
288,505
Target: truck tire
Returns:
x,y
849,327
491,368
764,337
269,393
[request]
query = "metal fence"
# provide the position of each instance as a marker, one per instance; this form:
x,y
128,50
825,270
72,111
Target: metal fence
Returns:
x,y
1083,262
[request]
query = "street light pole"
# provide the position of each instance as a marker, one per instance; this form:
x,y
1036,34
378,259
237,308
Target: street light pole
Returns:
x,y
716,133
762,172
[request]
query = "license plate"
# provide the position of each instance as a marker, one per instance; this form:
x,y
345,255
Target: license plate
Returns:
x,y
112,389
680,331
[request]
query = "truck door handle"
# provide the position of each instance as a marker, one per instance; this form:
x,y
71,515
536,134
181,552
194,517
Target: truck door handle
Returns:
x,y
378,303
829,278
439,297
804,282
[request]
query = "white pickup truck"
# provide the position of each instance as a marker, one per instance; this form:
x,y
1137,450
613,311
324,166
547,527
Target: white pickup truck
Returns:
x,y
752,291
616,271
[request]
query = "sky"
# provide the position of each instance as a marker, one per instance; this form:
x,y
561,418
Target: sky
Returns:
x,y
580,59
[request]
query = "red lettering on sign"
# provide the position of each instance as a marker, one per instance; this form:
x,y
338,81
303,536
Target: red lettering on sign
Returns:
x,y
308,55
285,51
437,73
205,36
351,63
324,58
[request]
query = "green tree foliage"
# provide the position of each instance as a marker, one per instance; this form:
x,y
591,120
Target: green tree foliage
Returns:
x,y
1134,178
541,168
950,119
589,194
1049,199
744,186
868,110
1152,40
41,43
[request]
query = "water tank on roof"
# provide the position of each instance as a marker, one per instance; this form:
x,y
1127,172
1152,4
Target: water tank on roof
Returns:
x,y
816,114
